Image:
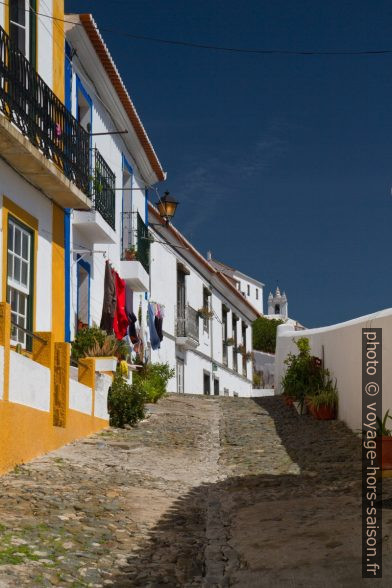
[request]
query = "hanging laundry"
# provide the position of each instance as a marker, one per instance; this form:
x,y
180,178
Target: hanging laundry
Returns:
x,y
120,323
132,320
159,321
154,338
109,301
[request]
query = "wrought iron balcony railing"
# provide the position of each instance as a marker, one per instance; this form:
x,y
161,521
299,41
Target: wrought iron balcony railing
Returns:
x,y
103,190
28,102
187,324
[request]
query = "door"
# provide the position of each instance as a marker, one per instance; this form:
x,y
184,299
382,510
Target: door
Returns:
x,y
216,387
180,376
83,294
206,384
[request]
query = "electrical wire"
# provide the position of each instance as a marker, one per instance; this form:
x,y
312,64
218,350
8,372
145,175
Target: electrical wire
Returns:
x,y
222,48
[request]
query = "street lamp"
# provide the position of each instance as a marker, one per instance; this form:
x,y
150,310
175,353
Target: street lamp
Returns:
x,y
167,206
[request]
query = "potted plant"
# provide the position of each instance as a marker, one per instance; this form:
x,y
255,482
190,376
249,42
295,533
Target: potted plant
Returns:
x,y
230,341
205,312
130,253
323,403
384,442
303,376
248,356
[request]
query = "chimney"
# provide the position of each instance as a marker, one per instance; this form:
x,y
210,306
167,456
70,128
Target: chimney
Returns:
x,y
209,256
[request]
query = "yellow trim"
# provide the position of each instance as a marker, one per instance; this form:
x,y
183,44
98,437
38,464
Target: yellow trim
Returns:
x,y
6,17
58,275
58,49
26,218
5,336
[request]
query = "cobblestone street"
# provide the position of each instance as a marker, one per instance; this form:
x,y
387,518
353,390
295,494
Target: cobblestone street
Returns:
x,y
205,492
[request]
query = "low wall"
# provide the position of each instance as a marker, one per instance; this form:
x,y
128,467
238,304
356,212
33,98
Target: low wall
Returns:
x,y
341,348
41,408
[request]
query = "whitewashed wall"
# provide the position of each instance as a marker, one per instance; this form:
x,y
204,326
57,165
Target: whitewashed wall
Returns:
x,y
29,382
257,302
80,397
341,345
164,291
102,385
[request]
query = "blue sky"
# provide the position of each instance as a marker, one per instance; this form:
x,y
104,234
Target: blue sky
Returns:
x,y
282,164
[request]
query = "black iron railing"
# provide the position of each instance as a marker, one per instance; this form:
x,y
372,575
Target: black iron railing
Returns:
x,y
28,102
143,244
187,323
103,190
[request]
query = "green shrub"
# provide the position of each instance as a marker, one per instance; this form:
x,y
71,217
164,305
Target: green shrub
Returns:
x,y
86,339
264,334
125,402
94,342
153,379
304,375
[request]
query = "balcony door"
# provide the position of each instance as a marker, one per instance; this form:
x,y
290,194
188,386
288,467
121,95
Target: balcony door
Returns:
x,y
180,300
23,27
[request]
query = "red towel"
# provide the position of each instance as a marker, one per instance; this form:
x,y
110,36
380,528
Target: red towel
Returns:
x,y
120,323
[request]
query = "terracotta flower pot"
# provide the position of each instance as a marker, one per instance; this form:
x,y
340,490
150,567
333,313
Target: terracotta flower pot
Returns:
x,y
384,449
288,400
323,413
130,255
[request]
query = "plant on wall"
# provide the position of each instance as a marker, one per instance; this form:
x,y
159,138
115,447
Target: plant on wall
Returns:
x,y
230,341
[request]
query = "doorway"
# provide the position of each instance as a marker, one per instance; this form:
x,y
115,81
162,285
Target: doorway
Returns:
x,y
216,387
206,384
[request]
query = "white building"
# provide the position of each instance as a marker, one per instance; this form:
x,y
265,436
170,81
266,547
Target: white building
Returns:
x,y
211,354
123,167
250,288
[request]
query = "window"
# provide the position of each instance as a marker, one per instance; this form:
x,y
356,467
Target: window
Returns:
x,y
206,306
248,288
19,281
23,27
235,350
257,293
84,107
224,334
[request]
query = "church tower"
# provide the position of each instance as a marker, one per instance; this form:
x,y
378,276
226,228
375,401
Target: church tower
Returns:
x,y
277,304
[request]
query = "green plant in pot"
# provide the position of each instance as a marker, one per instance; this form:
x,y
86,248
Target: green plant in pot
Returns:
x,y
323,403
384,442
303,376
230,341
130,253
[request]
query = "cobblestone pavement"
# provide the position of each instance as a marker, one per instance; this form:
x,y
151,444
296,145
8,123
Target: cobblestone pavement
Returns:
x,y
205,492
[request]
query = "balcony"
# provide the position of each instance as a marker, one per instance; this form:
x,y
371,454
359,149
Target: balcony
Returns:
x,y
39,137
99,224
135,267
187,327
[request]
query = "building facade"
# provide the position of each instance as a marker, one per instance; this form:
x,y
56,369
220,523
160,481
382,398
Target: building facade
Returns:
x,y
75,164
250,288
207,323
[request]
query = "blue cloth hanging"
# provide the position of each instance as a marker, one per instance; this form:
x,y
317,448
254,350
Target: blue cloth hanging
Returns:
x,y
154,339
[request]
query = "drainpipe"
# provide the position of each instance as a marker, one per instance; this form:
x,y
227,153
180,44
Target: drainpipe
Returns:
x,y
67,272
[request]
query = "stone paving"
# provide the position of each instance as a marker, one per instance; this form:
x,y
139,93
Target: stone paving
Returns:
x,y
205,492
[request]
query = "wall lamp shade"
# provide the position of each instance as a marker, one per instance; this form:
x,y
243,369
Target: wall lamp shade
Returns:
x,y
167,206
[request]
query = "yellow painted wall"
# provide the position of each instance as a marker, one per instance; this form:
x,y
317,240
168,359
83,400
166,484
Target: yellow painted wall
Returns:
x,y
58,275
26,433
6,16
58,49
